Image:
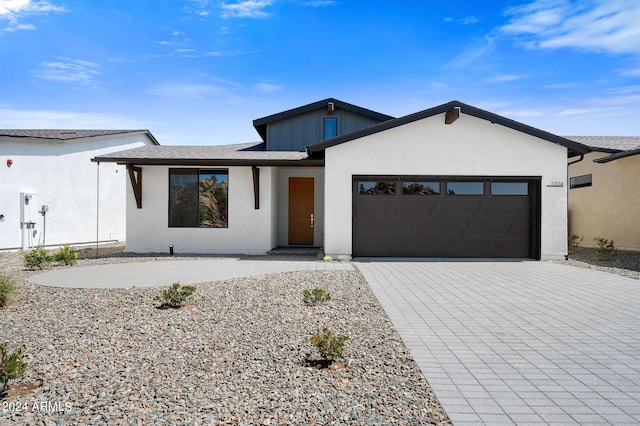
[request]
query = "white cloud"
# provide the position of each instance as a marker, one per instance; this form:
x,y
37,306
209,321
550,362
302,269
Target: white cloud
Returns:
x,y
523,113
471,53
320,3
503,78
573,111
267,88
594,25
246,9
69,71
190,91
469,20
51,119
16,10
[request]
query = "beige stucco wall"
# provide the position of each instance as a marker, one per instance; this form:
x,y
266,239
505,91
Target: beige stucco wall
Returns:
x,y
610,207
468,147
250,231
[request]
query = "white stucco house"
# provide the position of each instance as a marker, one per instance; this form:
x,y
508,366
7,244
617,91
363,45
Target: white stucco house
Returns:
x,y
449,181
52,194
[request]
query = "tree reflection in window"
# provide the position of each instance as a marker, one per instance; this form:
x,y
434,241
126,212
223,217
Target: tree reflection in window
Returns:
x,y
421,188
198,198
376,187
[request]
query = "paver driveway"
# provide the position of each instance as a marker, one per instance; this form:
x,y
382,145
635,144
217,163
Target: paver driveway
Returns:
x,y
512,342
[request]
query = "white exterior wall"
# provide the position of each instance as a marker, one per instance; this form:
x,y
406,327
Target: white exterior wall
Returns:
x,y
250,231
65,179
468,147
317,173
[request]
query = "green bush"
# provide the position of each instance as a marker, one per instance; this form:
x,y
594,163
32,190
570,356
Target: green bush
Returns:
x,y
315,296
328,344
65,255
7,290
606,249
36,258
12,366
174,296
574,240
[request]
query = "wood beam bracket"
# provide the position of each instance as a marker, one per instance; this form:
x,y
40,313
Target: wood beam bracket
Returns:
x,y
135,176
452,115
256,186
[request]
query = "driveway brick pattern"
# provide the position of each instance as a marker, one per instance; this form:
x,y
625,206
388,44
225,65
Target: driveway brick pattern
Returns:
x,y
518,342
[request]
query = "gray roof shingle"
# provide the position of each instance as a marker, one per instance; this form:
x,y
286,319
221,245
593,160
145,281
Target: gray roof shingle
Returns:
x,y
63,135
240,154
613,143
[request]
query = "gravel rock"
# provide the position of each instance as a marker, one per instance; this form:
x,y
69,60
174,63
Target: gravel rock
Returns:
x,y
625,263
237,354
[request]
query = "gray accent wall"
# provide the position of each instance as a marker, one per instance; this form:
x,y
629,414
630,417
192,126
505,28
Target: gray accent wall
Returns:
x,y
296,133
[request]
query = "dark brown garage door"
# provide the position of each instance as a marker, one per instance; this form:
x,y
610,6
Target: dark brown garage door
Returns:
x,y
441,217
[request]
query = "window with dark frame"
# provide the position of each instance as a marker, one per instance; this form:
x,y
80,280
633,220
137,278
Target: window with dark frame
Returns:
x,y
509,188
329,128
420,188
465,188
198,198
376,187
580,181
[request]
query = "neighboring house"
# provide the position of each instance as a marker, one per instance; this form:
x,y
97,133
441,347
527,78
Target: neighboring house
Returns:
x,y
51,191
450,181
604,199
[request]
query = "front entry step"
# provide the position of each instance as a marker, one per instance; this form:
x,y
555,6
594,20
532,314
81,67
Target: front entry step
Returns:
x,y
296,251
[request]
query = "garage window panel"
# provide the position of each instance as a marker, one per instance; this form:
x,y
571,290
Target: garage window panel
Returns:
x,y
420,188
465,188
376,187
509,188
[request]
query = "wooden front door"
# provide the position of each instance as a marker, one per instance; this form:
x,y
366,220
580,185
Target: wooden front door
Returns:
x,y
301,211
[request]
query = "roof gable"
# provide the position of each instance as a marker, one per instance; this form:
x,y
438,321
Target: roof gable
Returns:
x,y
260,124
574,148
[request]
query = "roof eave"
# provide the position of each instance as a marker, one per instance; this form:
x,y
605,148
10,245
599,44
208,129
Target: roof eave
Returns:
x,y
617,156
307,162
574,148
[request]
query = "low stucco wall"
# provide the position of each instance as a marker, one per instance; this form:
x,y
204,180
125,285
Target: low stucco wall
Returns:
x,y
468,147
250,230
609,208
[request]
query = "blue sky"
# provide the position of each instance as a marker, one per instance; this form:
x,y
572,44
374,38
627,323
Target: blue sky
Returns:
x,y
198,72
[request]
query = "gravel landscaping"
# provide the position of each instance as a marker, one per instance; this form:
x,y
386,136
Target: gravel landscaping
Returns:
x,y
237,354
625,263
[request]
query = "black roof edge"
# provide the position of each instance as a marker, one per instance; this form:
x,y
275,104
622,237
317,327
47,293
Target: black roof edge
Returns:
x,y
575,148
606,150
307,162
260,123
618,155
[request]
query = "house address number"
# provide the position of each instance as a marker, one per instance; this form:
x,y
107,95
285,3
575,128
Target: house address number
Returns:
x,y
556,184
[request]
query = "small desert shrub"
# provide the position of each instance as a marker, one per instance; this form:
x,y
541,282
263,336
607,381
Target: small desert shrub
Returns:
x,y
174,296
36,258
328,344
574,240
65,255
7,290
327,259
606,248
316,296
12,366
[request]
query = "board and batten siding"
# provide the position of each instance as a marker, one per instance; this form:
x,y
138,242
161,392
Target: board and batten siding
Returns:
x,y
296,133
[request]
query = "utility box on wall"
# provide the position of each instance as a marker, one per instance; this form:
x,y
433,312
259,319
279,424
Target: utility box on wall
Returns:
x,y
28,207
28,218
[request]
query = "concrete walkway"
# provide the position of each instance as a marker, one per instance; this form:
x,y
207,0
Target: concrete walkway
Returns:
x,y
518,342
166,272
